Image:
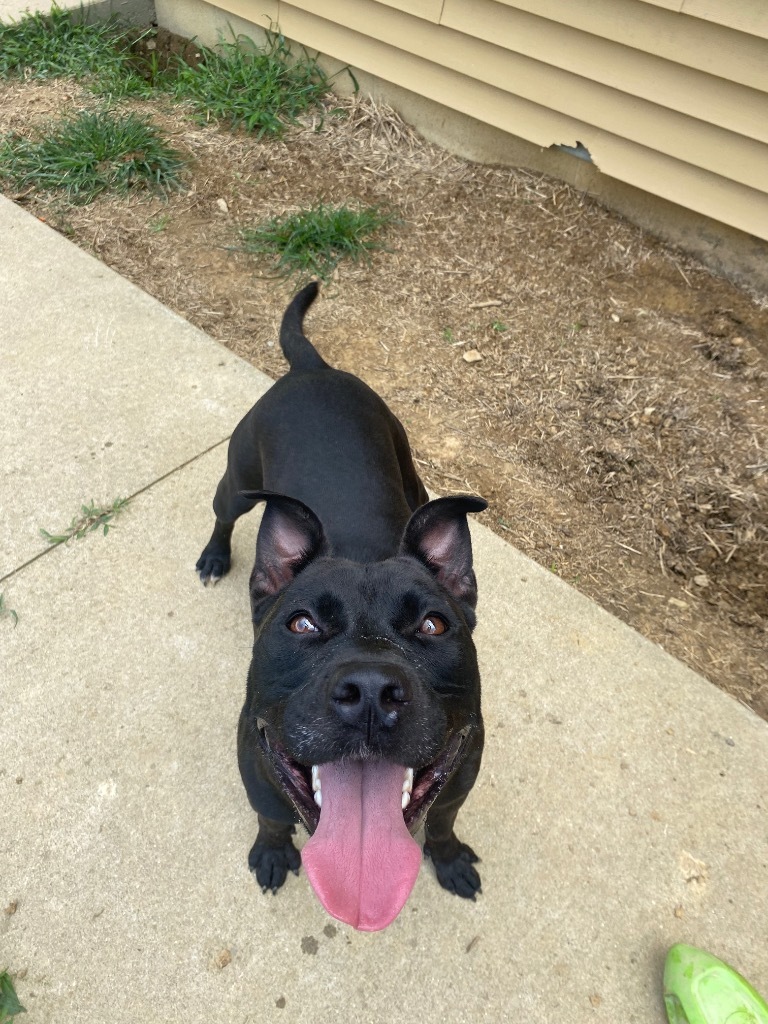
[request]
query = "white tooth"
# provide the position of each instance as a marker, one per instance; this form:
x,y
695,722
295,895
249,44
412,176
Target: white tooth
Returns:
x,y
319,798
406,800
408,780
315,778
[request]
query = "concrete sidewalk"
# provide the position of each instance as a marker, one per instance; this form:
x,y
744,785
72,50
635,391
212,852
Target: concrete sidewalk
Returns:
x,y
621,806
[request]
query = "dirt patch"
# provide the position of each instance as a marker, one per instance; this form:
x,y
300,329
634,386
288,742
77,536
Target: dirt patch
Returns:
x,y
616,416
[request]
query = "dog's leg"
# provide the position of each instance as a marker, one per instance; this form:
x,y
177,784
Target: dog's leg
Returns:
x,y
273,854
453,859
229,505
216,557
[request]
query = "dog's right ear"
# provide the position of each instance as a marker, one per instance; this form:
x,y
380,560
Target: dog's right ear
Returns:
x,y
290,536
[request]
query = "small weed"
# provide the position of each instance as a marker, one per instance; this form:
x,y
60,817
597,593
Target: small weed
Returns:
x,y
62,43
89,152
497,325
92,517
312,242
6,612
258,90
159,223
9,1002
448,335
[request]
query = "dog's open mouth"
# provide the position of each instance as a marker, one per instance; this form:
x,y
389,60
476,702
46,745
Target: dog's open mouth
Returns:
x,y
419,788
361,859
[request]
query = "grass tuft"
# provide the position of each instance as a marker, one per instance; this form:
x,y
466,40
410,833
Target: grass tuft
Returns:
x,y
259,90
92,517
62,43
256,90
90,152
312,242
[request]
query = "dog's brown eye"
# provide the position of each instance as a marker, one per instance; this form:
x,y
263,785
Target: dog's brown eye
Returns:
x,y
303,624
433,625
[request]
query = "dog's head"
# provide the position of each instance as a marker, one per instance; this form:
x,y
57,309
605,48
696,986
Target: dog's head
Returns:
x,y
364,691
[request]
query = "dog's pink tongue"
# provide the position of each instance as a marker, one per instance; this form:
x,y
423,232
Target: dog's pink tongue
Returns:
x,y
361,860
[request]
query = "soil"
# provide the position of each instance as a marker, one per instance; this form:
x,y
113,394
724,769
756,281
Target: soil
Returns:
x,y
604,392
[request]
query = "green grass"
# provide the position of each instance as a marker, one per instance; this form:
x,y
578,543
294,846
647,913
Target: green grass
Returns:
x,y
61,44
159,223
256,90
260,90
312,242
92,517
9,1002
90,152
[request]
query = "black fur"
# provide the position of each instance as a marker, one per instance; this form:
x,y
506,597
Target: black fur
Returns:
x,y
349,540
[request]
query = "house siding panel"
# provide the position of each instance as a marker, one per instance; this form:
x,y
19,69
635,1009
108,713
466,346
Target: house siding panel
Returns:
x,y
719,51
747,15
618,66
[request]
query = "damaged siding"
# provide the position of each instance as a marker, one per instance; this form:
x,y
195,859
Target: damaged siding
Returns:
x,y
670,96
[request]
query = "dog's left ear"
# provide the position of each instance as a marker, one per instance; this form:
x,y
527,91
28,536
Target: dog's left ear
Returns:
x,y
290,536
438,535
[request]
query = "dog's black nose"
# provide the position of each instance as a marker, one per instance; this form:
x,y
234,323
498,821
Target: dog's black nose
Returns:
x,y
370,697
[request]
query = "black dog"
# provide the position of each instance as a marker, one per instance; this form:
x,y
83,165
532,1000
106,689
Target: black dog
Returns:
x,y
362,712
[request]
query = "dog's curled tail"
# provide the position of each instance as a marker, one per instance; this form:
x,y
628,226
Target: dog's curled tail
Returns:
x,y
297,348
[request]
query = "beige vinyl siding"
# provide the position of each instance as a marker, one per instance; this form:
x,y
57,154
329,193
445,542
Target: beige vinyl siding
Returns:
x,y
645,76
746,15
430,10
670,5
728,55
670,102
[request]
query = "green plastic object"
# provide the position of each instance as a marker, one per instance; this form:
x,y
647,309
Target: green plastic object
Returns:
x,y
700,989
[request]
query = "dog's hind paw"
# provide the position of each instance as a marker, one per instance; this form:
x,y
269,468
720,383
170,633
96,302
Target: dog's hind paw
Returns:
x,y
454,867
271,864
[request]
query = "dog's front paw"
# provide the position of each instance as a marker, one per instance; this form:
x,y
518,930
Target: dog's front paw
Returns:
x,y
454,862
213,563
271,864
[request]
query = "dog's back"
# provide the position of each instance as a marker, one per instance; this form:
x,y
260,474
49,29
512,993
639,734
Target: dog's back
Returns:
x,y
322,436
